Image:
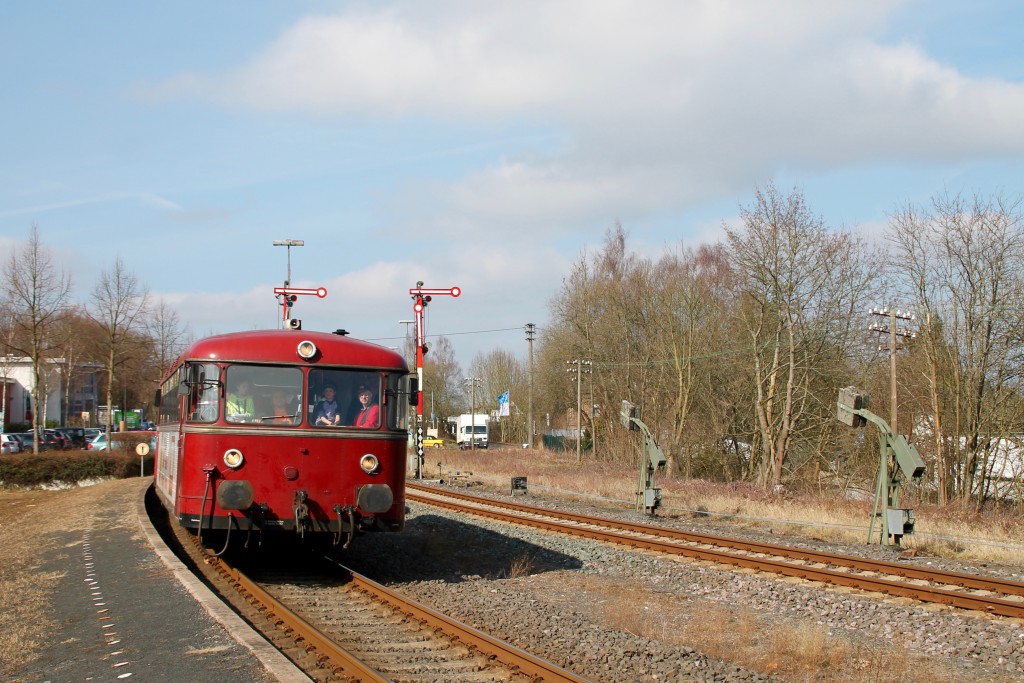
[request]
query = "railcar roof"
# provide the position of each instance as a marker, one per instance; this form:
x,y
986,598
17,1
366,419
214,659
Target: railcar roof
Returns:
x,y
277,346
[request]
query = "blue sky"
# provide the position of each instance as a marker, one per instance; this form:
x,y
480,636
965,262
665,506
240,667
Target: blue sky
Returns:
x,y
477,144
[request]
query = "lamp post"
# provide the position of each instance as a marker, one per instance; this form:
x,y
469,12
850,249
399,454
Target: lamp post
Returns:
x,y
289,244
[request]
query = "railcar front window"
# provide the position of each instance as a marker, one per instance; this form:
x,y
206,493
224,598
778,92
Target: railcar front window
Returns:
x,y
345,398
263,395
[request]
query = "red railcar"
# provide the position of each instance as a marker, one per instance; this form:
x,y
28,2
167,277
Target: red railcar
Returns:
x,y
243,447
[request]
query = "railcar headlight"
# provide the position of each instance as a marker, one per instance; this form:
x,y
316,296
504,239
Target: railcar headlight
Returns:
x,y
369,463
307,349
233,458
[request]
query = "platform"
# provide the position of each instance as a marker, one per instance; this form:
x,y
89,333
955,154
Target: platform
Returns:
x,y
127,609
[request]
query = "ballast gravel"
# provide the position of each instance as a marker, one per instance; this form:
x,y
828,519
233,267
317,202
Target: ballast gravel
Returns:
x,y
611,614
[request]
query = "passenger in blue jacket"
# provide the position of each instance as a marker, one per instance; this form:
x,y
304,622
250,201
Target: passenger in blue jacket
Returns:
x,y
326,414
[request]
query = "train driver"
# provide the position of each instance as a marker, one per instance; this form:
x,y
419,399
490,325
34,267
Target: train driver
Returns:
x,y
241,407
369,411
327,414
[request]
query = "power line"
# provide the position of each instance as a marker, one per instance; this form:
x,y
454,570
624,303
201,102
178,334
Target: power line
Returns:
x,y
454,334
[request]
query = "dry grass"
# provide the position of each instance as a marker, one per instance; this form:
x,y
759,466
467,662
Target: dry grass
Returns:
x,y
799,652
26,519
822,515
522,566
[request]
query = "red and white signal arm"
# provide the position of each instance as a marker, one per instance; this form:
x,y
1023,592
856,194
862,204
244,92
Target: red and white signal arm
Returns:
x,y
419,293
451,291
319,291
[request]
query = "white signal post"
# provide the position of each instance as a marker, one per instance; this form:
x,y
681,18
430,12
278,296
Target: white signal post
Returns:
x,y
421,297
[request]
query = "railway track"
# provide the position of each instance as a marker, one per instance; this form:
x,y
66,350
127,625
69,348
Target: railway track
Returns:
x,y
346,627
989,595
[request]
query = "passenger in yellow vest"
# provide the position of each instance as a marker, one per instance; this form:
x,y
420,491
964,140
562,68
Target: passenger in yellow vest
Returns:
x,y
241,407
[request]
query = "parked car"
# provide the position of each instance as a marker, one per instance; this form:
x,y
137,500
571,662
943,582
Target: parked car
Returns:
x,y
10,443
75,434
433,442
57,440
91,433
121,441
28,440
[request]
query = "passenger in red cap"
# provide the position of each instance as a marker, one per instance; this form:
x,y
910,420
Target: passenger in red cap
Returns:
x,y
369,412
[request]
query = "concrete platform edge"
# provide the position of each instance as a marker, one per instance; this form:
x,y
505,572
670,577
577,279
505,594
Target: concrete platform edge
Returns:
x,y
272,660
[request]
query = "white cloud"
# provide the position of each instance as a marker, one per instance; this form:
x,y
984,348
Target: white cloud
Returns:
x,y
646,108
662,103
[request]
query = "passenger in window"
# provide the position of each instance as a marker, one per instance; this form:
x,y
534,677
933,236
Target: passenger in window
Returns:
x,y
241,407
282,411
327,414
369,411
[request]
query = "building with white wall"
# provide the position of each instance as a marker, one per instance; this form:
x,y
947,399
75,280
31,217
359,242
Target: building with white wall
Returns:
x,y
18,381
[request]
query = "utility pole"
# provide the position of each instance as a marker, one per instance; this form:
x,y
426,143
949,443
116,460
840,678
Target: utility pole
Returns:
x,y
531,330
577,368
893,332
472,383
593,419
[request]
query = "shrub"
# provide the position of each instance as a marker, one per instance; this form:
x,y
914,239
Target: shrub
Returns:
x,y
28,469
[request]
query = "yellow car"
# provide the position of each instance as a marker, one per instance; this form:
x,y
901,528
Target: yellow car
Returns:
x,y
432,442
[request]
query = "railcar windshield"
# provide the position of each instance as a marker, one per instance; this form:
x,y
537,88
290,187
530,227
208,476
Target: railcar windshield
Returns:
x,y
364,399
290,396
266,395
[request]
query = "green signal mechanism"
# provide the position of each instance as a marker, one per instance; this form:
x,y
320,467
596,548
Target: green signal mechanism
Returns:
x,y
648,498
899,462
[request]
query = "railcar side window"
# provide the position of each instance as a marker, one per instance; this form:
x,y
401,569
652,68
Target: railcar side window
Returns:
x,y
170,402
396,405
204,392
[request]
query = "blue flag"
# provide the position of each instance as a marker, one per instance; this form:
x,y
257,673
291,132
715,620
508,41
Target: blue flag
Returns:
x,y
503,405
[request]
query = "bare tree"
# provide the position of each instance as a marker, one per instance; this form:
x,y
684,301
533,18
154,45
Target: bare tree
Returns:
x,y
963,260
37,292
119,304
168,334
501,371
605,313
442,378
686,337
800,283
77,341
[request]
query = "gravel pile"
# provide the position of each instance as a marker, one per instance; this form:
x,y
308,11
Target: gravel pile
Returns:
x,y
614,615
